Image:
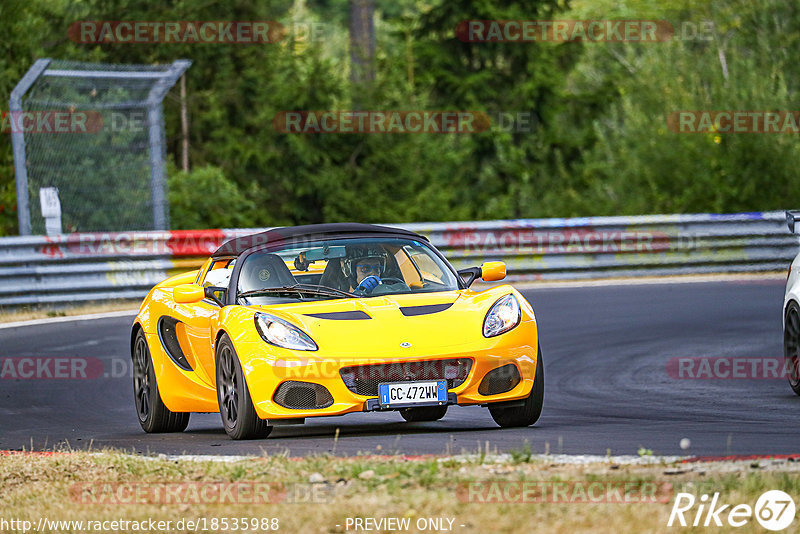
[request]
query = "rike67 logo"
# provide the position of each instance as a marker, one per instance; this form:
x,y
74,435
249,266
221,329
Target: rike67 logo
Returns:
x,y
774,510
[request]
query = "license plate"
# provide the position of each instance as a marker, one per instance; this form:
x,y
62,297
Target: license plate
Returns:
x,y
412,393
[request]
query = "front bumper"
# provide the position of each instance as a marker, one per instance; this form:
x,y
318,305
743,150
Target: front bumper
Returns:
x,y
265,375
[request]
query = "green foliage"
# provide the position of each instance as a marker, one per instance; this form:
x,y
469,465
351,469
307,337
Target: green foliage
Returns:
x,y
204,198
8,207
522,454
598,143
638,165
508,167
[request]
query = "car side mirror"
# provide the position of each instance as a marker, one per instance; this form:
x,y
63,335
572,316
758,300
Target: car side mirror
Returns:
x,y
217,294
469,275
492,271
188,293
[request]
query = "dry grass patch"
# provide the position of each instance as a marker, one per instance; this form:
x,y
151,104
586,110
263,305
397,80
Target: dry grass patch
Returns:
x,y
315,494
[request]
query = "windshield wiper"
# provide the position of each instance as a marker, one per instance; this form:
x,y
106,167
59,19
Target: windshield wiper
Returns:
x,y
326,289
298,288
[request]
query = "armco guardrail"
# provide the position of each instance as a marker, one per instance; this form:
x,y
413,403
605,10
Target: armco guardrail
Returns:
x,y
79,267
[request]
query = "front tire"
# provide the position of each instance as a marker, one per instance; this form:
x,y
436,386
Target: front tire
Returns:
x,y
235,404
423,413
529,412
791,345
154,416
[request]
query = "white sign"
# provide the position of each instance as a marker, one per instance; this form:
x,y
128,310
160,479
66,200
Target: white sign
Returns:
x,y
51,210
48,198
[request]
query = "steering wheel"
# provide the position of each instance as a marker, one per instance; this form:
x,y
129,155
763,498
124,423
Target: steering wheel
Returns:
x,y
390,284
387,281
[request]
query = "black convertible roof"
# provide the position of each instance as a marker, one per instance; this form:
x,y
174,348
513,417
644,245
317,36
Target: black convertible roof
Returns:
x,y
309,232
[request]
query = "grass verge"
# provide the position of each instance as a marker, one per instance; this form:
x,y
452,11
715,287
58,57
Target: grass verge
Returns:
x,y
318,494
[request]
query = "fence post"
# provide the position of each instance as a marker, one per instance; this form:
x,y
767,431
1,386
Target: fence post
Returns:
x,y
18,144
155,121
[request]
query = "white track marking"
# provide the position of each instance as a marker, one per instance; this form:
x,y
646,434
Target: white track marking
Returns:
x,y
89,317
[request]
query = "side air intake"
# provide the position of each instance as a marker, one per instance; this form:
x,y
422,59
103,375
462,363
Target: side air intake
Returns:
x,y
167,332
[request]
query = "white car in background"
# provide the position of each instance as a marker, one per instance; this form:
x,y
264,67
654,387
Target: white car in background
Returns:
x,y
791,311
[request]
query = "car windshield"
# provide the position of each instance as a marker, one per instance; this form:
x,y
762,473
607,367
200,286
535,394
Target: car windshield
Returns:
x,y
342,268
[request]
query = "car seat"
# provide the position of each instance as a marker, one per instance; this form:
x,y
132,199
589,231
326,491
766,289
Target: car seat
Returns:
x,y
264,270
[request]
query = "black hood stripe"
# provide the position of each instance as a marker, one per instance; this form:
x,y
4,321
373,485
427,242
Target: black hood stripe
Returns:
x,y
410,311
341,315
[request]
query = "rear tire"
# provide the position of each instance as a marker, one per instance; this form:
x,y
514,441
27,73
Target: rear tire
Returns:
x,y
235,404
154,416
423,413
528,413
791,345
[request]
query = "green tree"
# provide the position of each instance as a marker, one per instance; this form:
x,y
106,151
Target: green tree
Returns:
x,y
205,198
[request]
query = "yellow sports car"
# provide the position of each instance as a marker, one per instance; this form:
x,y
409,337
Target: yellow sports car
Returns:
x,y
329,319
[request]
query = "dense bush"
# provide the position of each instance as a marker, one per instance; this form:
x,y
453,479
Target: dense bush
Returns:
x,y
204,198
599,142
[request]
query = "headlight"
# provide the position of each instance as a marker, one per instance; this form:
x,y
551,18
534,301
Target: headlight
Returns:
x,y
280,333
502,317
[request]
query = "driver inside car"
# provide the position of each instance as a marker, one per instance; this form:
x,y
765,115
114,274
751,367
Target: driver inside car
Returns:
x,y
364,268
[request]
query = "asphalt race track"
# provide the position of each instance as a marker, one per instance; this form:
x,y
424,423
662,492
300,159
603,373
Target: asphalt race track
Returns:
x,y
605,348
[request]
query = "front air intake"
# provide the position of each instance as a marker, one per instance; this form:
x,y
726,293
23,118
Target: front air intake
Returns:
x,y
302,396
500,380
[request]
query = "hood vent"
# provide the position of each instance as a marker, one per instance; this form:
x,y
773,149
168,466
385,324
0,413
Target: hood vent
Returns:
x,y
410,311
341,315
